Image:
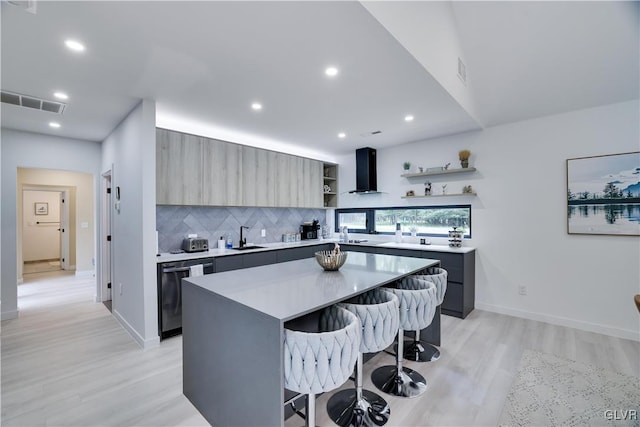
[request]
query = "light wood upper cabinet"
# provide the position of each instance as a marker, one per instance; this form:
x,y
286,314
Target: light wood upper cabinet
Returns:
x,y
223,174
258,177
286,180
193,170
313,183
178,168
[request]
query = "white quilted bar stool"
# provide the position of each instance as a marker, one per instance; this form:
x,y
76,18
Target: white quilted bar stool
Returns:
x,y
378,311
417,307
316,362
418,350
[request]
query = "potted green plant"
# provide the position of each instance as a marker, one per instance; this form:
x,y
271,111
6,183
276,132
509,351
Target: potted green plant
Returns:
x,y
464,155
406,166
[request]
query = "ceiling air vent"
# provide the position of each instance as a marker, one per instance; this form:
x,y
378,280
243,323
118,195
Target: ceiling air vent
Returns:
x,y
32,102
366,134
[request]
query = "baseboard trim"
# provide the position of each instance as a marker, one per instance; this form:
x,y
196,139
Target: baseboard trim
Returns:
x,y
144,344
562,321
9,315
85,273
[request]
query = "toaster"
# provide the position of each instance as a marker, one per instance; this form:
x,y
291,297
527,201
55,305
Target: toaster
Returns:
x,y
195,244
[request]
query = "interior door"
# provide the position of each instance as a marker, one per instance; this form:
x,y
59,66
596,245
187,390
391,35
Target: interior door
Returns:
x,y
106,238
64,230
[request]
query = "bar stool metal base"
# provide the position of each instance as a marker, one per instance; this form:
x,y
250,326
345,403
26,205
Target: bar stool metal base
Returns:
x,y
404,383
420,351
345,410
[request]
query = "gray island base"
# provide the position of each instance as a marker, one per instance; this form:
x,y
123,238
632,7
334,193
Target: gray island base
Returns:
x,y
232,328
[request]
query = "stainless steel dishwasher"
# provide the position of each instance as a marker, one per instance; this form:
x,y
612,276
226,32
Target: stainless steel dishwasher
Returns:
x,y
170,275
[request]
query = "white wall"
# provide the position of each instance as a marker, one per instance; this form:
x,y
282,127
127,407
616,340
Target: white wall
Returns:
x,y
129,152
40,233
30,150
519,216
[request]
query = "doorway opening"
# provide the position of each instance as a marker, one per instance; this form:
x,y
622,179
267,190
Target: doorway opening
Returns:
x,y
55,225
45,242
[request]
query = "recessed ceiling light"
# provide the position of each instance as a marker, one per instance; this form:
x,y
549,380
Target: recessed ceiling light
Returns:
x,y
342,135
331,71
408,118
54,124
74,45
256,106
61,95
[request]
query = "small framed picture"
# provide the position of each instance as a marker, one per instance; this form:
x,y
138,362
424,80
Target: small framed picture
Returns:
x,y
41,208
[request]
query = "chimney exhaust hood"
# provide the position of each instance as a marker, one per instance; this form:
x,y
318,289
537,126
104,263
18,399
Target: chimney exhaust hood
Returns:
x,y
366,175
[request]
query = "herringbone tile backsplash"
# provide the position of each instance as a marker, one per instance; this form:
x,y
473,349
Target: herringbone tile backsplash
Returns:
x,y
175,222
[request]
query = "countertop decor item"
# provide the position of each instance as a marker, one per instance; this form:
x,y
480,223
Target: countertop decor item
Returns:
x,y
406,166
464,155
455,238
331,260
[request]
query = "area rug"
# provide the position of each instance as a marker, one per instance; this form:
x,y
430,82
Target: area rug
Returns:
x,y
553,391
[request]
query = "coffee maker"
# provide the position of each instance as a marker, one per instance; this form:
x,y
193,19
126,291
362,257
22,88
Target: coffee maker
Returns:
x,y
309,230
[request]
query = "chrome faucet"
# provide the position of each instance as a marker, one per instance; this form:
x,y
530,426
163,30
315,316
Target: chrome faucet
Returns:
x,y
243,240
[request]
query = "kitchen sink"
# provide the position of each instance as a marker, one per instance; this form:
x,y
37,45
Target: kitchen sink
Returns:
x,y
244,248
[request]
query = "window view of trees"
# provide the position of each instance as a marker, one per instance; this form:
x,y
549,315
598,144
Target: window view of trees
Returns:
x,y
424,220
353,220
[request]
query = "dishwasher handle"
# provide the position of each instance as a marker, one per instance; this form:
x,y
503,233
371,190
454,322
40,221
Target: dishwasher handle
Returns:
x,y
183,269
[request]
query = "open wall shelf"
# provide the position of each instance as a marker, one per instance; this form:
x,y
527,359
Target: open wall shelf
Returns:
x,y
437,172
330,177
441,195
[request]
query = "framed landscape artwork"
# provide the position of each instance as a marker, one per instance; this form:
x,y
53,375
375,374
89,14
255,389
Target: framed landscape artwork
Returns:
x,y
603,194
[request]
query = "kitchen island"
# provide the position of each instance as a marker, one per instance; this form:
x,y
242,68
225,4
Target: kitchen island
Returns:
x,y
232,328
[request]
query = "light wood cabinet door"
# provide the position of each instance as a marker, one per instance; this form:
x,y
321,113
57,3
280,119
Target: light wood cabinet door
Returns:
x,y
313,181
222,173
258,177
178,168
286,182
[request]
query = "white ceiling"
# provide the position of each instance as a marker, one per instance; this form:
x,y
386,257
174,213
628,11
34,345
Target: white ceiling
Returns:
x,y
205,62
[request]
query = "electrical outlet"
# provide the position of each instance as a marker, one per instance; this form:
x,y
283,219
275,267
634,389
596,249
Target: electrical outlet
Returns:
x,y
120,288
263,232
522,290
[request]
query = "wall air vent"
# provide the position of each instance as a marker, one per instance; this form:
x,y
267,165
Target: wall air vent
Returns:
x,y
462,71
30,6
32,102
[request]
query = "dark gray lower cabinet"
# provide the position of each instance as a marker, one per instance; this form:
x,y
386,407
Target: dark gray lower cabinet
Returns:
x,y
228,263
460,297
359,248
257,259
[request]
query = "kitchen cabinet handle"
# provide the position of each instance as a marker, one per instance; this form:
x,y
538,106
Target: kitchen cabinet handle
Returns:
x,y
183,269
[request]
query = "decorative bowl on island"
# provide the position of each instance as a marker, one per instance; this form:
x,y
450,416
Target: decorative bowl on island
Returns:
x,y
331,260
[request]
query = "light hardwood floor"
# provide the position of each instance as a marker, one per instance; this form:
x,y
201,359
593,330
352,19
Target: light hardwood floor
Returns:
x,y
66,361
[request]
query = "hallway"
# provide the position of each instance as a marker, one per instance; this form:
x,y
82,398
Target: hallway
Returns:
x,y
66,361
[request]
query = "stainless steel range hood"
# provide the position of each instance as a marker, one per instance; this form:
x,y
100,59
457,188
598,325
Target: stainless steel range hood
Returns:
x,y
366,174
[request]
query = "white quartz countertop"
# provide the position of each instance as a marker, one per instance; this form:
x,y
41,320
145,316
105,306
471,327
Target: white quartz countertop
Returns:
x,y
434,248
168,257
212,253
291,289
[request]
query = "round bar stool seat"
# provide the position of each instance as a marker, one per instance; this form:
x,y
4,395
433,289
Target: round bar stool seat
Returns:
x,y
316,362
417,307
378,311
418,350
